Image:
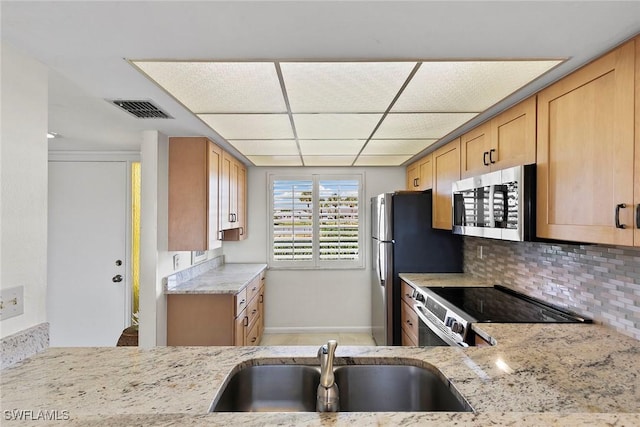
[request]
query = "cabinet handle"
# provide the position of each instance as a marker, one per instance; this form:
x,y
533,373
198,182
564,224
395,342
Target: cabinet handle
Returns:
x,y
246,321
618,207
254,311
638,216
253,339
230,217
417,182
484,158
261,299
493,150
241,302
242,231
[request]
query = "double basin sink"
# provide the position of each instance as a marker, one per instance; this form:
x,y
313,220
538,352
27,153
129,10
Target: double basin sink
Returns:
x,y
362,388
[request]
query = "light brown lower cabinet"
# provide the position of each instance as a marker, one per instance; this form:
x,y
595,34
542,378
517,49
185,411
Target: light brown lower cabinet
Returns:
x,y
217,319
409,325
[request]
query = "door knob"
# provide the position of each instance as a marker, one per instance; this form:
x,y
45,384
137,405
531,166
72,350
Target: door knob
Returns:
x,y
117,278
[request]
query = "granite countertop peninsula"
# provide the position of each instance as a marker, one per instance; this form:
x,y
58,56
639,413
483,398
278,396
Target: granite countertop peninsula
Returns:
x,y
224,279
535,375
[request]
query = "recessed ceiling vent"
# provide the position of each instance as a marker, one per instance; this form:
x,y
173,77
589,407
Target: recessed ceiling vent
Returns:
x,y
142,109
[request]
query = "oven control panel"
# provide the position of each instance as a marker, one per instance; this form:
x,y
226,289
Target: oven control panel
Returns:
x,y
444,318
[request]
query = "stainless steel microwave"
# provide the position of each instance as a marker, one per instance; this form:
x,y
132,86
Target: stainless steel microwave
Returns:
x,y
498,205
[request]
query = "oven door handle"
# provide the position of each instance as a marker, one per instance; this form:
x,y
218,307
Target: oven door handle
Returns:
x,y
453,343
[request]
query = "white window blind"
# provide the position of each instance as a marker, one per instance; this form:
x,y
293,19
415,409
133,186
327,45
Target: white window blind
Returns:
x,y
316,221
292,220
338,219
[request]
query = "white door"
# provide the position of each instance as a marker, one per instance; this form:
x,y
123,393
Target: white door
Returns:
x,y
87,302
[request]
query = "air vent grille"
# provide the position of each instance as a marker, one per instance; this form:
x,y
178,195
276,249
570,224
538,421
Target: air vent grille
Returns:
x,y
142,109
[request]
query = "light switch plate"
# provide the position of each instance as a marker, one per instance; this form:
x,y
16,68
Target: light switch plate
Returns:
x,y
176,261
11,302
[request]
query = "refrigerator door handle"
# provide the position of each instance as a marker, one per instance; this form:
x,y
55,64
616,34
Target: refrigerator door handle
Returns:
x,y
380,276
382,263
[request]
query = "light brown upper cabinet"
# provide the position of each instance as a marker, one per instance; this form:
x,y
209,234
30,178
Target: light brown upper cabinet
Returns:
x,y
636,184
194,176
420,174
585,153
233,195
507,140
446,170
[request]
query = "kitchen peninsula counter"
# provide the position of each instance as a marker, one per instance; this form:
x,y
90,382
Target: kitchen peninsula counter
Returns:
x,y
536,375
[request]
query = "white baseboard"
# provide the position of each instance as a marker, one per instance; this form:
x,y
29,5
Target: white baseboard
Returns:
x,y
319,330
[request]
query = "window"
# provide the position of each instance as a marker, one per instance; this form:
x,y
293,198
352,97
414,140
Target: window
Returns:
x,y
316,221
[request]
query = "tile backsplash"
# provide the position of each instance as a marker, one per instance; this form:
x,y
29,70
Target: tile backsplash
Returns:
x,y
595,281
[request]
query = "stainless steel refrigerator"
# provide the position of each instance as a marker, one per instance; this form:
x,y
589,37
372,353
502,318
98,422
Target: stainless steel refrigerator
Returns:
x,y
403,241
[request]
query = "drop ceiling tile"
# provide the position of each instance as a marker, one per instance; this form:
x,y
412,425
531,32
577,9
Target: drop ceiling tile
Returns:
x,y
466,86
343,87
335,126
275,160
262,147
420,125
220,87
328,160
250,126
396,146
324,147
381,160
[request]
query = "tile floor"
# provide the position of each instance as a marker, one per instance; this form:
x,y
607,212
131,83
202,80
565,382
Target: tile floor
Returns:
x,y
317,339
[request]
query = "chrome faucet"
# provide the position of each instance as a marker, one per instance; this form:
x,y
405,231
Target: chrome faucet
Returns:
x,y
328,398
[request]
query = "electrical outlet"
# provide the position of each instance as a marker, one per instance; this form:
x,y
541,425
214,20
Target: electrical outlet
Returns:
x,y
11,302
176,261
480,252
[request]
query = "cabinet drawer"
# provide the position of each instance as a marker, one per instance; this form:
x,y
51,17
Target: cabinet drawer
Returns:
x,y
253,288
253,336
407,292
409,321
407,340
241,301
253,311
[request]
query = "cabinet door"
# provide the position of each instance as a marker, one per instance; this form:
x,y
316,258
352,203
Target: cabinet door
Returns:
x,y
585,152
636,239
241,199
189,201
513,136
474,151
213,219
425,175
242,322
409,322
446,170
227,192
413,175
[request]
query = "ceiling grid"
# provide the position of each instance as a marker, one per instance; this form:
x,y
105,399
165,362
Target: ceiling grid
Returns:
x,y
340,113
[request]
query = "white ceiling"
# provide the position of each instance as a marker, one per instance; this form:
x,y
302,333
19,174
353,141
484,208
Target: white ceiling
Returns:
x,y
86,44
331,111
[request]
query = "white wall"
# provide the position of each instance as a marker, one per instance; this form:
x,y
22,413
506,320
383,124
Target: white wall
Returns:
x,y
311,300
156,262
23,186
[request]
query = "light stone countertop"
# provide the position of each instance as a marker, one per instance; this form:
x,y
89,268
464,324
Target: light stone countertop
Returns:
x,y
226,279
537,374
444,279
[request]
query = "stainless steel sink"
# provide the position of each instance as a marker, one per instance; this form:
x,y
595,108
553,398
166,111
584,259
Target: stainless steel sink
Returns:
x,y
395,388
270,388
362,388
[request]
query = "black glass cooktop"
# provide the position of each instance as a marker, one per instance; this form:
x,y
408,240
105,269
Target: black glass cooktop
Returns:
x,y
502,305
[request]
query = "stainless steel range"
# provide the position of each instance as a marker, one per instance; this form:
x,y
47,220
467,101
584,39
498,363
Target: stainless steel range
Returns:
x,y
447,313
